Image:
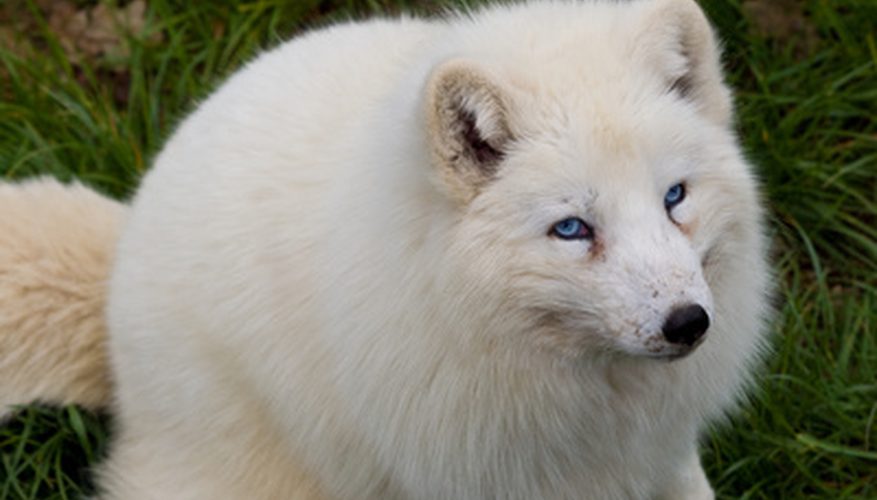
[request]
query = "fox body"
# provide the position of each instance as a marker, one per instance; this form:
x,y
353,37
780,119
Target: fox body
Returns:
x,y
441,259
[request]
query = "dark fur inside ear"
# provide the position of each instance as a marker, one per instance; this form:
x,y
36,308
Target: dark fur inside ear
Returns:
x,y
467,122
477,147
683,85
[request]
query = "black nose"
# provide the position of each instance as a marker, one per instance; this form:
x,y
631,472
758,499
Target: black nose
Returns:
x,y
686,324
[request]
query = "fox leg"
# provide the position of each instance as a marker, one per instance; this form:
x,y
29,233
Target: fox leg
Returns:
x,y
689,482
183,466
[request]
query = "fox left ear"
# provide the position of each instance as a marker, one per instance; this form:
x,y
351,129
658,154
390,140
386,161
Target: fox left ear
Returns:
x,y
677,41
468,126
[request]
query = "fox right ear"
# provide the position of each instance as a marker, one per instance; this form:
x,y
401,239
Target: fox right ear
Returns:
x,y
468,128
677,41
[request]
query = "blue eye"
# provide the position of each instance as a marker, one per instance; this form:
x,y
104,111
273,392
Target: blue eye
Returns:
x,y
572,228
674,196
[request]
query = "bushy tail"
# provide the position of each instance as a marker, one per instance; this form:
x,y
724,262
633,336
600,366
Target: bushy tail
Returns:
x,y
56,249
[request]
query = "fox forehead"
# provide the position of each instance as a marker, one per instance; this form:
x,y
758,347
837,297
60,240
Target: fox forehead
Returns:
x,y
608,144
630,125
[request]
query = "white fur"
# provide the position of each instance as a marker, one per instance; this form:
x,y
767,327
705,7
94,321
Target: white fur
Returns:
x,y
56,246
302,308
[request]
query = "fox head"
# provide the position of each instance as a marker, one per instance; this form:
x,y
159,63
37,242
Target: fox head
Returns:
x,y
601,195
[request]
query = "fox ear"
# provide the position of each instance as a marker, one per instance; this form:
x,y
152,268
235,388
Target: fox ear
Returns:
x,y
468,126
678,42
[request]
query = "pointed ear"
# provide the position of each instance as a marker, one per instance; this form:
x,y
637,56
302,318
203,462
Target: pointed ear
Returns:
x,y
677,41
468,128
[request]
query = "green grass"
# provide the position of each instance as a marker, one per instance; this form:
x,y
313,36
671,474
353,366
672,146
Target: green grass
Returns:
x,y
806,118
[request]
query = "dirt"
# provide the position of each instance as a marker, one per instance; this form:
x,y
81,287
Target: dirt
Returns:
x,y
95,33
783,21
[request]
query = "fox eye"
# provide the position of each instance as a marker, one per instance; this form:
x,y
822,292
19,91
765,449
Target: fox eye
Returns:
x,y
674,196
572,228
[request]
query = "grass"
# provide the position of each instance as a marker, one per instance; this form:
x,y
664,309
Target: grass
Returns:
x,y
807,104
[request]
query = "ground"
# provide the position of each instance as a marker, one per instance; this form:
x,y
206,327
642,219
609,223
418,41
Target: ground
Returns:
x,y
90,90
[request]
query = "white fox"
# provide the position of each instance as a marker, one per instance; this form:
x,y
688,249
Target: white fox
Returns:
x,y
511,254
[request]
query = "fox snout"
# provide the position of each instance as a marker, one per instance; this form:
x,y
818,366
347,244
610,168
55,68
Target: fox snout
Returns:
x,y
686,325
664,301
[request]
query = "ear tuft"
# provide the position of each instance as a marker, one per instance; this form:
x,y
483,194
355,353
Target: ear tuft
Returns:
x,y
677,40
467,121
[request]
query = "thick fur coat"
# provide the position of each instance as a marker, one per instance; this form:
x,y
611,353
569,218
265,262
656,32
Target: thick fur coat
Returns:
x,y
56,247
344,275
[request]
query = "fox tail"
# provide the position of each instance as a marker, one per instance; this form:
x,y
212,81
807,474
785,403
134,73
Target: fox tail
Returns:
x,y
57,244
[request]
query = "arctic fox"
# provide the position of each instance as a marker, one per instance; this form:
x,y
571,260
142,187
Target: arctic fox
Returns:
x,y
509,254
